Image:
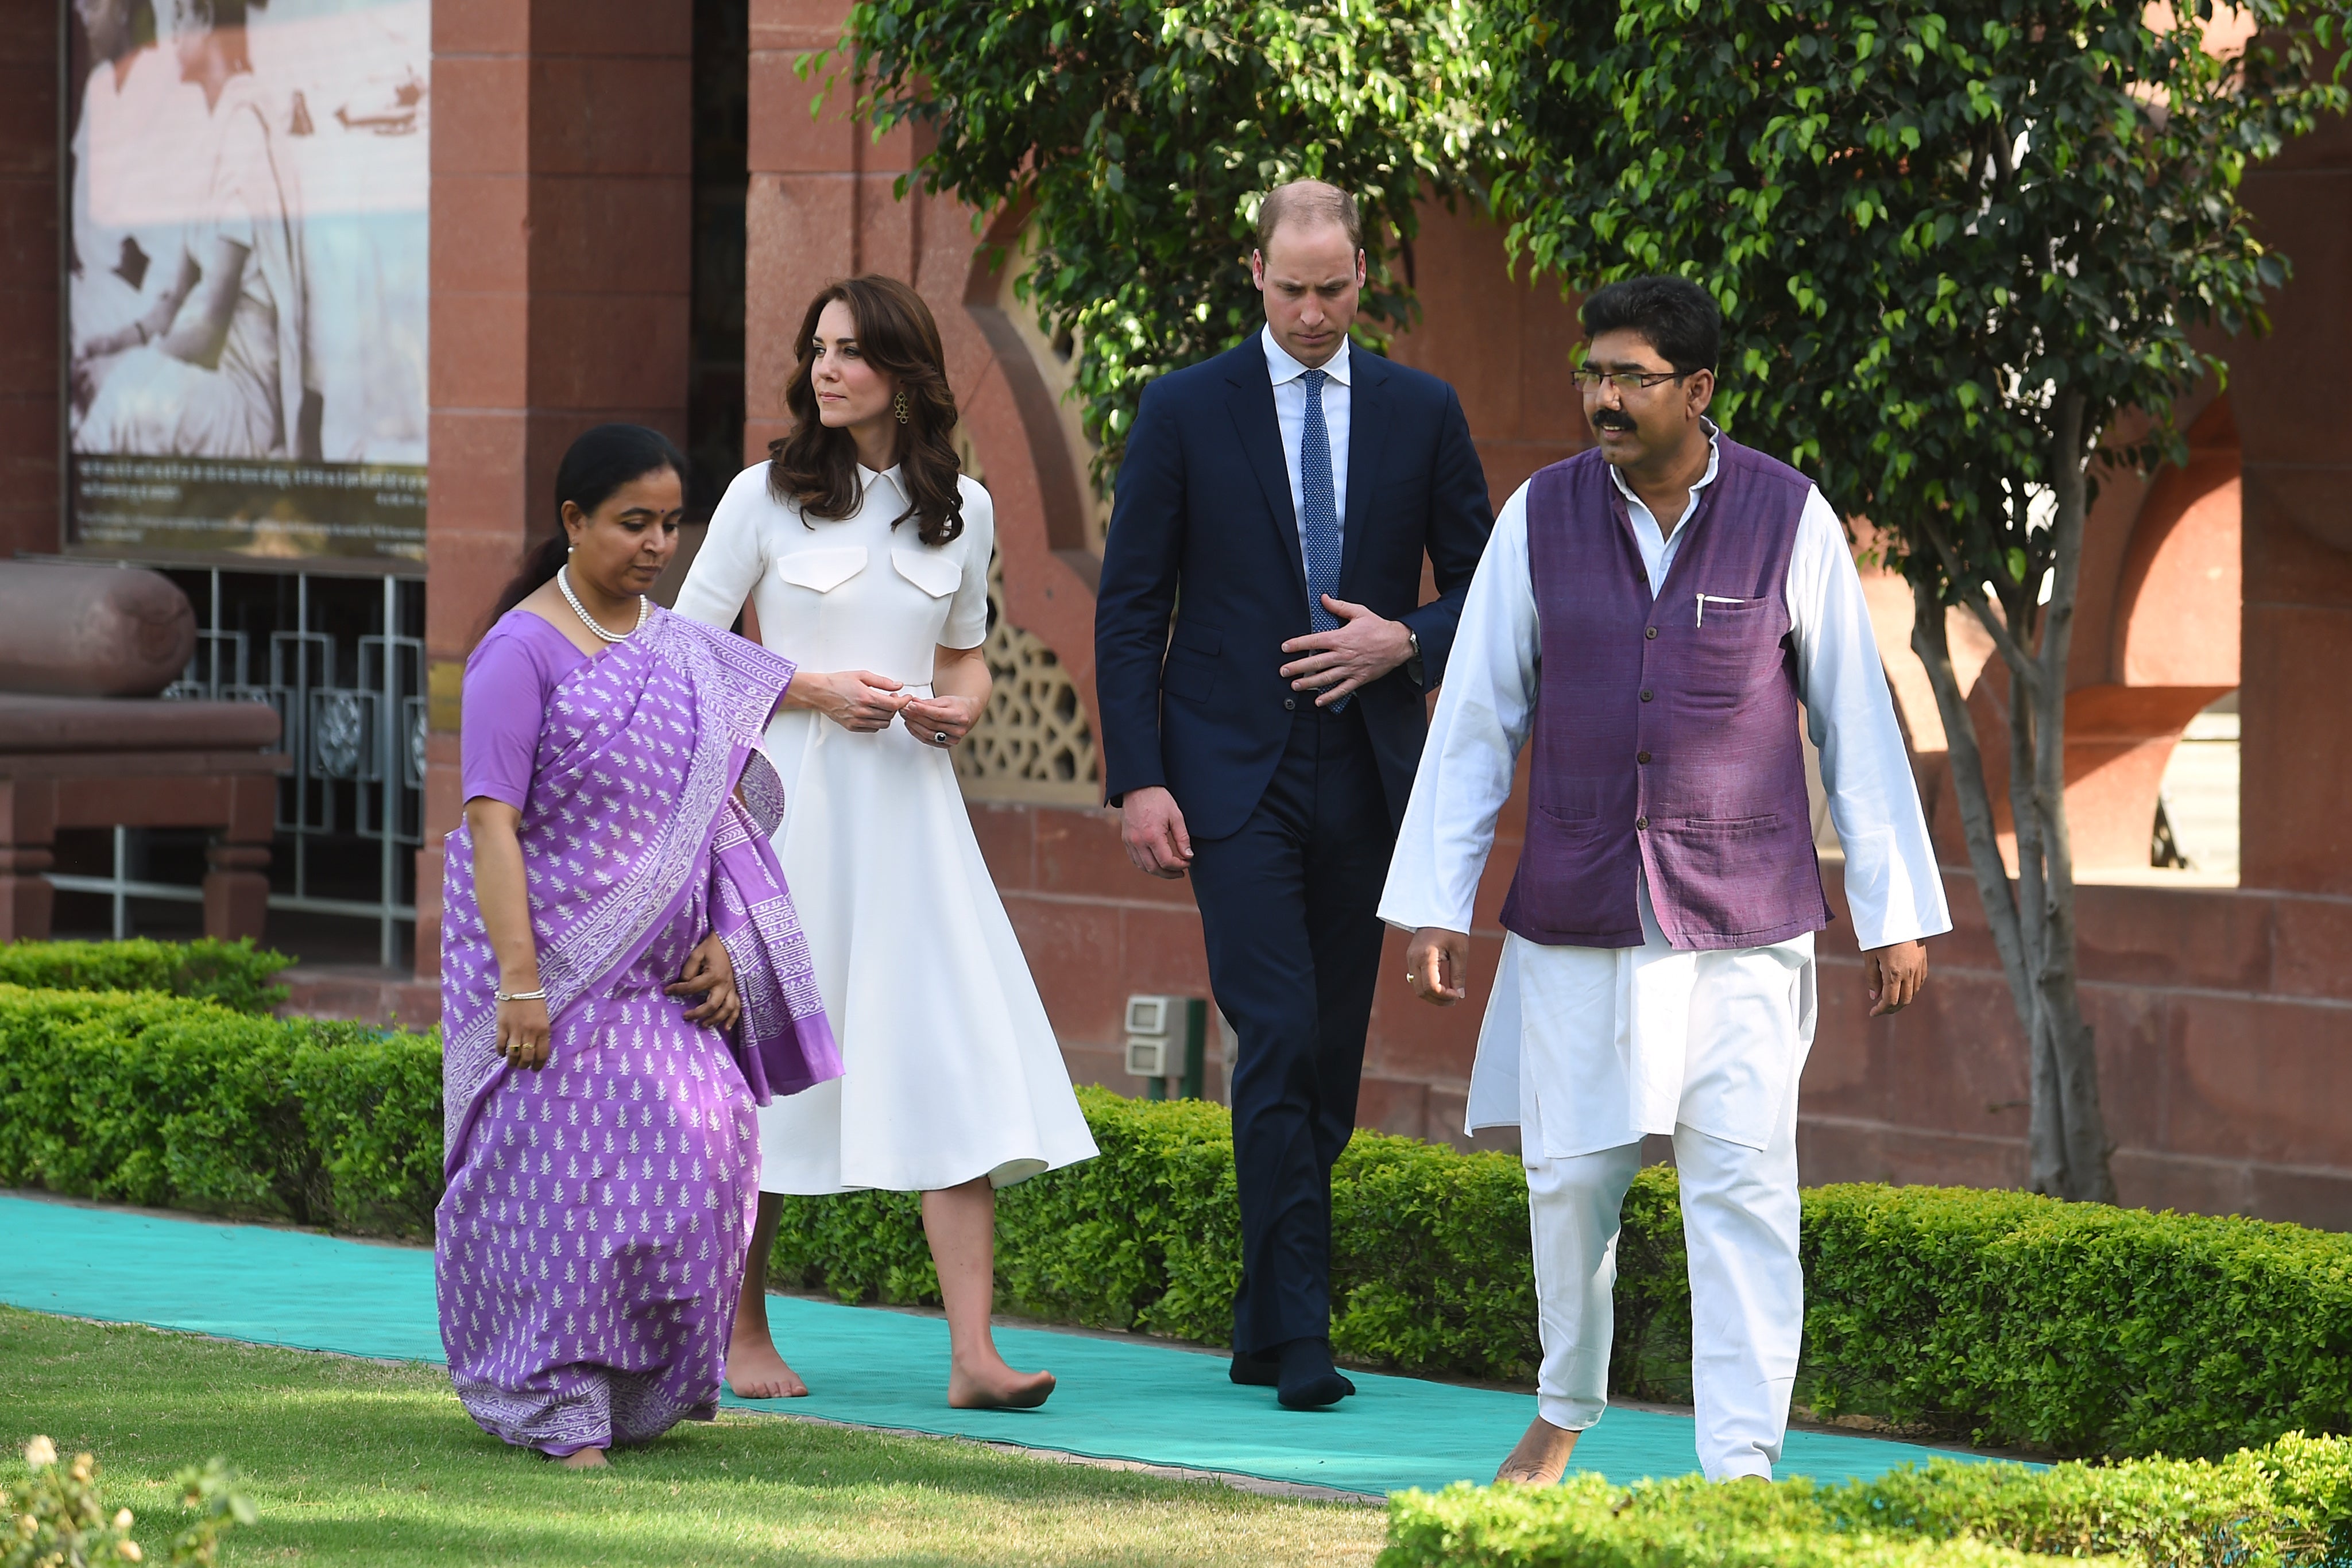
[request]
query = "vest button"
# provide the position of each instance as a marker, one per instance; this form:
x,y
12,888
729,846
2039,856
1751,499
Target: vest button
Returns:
x,y
1641,756
1641,823
1650,631
1289,704
1645,693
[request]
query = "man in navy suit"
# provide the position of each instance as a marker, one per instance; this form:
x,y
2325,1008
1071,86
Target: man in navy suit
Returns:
x,y
1276,502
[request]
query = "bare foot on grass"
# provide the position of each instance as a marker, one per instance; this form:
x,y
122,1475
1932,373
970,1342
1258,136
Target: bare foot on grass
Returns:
x,y
584,1459
1542,1458
755,1370
997,1387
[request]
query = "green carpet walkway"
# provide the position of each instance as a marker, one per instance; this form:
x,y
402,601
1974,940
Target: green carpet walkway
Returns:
x,y
1118,1398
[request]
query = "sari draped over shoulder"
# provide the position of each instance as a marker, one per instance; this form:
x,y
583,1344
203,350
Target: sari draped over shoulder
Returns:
x,y
590,1243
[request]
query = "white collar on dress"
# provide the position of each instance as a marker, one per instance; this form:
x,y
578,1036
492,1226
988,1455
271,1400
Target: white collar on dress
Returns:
x,y
867,476
1282,367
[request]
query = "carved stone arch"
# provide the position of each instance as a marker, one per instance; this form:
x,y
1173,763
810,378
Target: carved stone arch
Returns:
x,y
2168,584
1036,741
1038,376
2179,596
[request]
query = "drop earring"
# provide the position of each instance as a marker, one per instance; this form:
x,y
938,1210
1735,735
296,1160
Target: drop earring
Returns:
x,y
899,406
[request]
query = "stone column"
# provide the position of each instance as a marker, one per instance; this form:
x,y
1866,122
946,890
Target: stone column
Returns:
x,y
806,214
2296,747
237,862
236,890
30,167
28,830
563,190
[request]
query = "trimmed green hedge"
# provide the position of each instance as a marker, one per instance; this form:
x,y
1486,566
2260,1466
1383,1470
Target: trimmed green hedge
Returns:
x,y
2290,1504
2076,1328
1996,1316
235,974
1999,1316
152,1100
1430,1266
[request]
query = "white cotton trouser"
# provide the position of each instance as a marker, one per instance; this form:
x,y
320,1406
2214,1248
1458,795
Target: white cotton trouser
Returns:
x,y
1748,1289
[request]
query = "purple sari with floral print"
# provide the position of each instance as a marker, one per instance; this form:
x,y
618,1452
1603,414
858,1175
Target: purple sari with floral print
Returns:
x,y
590,1246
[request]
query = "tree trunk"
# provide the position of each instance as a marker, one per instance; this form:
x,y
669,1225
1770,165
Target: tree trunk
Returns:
x,y
1930,642
2031,918
2082,1168
2006,912
2046,1136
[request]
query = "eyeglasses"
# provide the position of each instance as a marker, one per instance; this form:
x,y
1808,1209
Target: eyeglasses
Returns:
x,y
1588,380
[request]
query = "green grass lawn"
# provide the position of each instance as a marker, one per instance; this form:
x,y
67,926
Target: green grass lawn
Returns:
x,y
362,1463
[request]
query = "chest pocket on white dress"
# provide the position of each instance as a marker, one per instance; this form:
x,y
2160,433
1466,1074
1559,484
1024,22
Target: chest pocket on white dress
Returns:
x,y
934,574
822,571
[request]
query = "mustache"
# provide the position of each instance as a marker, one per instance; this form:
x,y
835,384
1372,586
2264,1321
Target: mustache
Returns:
x,y
1609,418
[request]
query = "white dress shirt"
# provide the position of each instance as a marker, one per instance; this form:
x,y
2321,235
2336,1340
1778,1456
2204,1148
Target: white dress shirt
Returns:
x,y
1290,413
1612,1035
1658,548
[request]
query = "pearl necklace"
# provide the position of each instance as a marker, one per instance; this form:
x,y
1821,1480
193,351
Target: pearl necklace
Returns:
x,y
563,581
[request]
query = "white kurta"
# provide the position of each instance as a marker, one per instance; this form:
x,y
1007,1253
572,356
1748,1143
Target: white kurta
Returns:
x,y
1613,1036
951,1068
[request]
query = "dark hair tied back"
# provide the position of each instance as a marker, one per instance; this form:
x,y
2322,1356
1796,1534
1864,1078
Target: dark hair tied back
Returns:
x,y
593,467
816,468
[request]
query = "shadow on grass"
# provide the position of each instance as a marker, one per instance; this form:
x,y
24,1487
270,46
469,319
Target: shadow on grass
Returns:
x,y
378,1464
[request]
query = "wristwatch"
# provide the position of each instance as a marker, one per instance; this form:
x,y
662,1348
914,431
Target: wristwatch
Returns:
x,y
1413,666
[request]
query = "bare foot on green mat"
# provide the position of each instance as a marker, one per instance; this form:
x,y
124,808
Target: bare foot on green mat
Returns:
x,y
583,1460
755,1370
1542,1458
997,1387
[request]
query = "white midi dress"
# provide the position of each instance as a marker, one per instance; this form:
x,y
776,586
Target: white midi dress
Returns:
x,y
951,1070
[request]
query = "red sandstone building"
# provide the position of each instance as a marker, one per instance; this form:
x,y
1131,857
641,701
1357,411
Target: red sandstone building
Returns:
x,y
630,205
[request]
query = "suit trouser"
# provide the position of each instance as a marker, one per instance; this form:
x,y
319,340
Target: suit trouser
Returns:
x,y
1747,1289
1287,905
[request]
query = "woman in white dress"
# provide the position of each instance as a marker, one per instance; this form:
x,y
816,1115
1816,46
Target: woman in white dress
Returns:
x,y
863,552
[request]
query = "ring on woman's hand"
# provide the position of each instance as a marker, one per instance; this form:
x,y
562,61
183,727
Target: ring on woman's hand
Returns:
x,y
940,739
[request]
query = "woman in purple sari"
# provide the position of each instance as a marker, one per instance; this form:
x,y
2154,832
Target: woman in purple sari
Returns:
x,y
623,980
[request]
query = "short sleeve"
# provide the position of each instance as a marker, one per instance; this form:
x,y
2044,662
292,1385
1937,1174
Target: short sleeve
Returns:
x,y
734,553
506,692
967,625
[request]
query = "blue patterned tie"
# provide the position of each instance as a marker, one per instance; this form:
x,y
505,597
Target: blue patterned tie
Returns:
x,y
1322,523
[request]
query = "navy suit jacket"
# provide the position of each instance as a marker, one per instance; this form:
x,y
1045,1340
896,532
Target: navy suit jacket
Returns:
x,y
1203,529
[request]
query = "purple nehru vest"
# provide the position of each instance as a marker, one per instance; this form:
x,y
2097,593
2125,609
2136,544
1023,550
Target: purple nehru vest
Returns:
x,y
1665,735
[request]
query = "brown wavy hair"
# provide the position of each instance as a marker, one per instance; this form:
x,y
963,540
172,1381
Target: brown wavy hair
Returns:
x,y
815,467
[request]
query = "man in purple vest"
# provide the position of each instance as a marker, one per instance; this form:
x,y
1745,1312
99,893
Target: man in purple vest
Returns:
x,y
1657,616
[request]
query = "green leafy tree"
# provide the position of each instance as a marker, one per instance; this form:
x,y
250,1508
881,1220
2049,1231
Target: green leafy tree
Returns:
x,y
1143,136
1964,250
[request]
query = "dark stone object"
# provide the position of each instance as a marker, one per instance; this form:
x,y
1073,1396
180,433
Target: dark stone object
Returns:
x,y
76,630
46,724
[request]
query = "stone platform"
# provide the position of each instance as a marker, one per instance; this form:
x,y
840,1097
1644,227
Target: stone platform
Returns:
x,y
362,992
